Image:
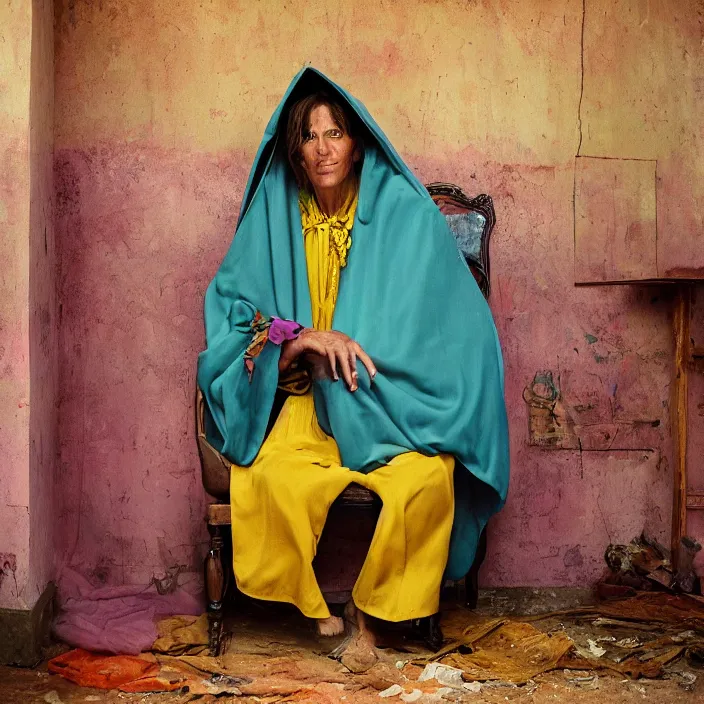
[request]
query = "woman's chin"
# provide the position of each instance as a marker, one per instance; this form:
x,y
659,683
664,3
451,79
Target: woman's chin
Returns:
x,y
327,183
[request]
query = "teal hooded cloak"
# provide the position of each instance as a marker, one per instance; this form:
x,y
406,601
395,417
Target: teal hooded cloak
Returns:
x,y
406,296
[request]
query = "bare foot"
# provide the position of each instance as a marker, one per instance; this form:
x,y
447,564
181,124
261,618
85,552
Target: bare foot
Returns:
x,y
358,652
331,626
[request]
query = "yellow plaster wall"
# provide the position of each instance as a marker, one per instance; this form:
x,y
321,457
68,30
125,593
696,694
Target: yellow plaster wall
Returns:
x,y
437,75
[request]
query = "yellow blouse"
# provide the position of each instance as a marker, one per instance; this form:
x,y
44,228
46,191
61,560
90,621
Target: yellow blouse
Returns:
x,y
327,241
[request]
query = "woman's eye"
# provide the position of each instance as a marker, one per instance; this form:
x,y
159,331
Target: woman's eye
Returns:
x,y
308,137
335,133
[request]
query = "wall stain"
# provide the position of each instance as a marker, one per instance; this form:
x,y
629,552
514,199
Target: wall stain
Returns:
x,y
549,423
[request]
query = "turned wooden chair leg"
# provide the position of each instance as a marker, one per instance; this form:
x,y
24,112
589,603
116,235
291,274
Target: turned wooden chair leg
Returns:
x,y
471,581
471,587
433,633
215,585
429,631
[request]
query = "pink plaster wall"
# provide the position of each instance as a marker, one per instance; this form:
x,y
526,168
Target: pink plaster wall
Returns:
x,y
43,328
159,109
28,333
15,19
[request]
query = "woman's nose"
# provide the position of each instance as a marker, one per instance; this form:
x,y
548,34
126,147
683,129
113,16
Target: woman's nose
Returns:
x,y
322,146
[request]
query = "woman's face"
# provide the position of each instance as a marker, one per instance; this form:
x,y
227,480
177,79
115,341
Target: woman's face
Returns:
x,y
328,153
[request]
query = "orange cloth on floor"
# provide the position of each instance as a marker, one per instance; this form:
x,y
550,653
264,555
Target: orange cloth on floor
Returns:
x,y
125,672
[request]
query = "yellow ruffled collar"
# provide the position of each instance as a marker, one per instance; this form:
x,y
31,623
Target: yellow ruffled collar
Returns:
x,y
338,226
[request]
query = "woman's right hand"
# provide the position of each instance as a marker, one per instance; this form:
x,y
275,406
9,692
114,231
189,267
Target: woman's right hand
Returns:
x,y
340,350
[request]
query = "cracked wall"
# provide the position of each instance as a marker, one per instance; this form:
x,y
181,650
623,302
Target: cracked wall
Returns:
x,y
643,100
160,108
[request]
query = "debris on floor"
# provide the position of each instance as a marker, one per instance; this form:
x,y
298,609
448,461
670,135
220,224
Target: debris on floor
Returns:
x,y
616,651
645,565
503,649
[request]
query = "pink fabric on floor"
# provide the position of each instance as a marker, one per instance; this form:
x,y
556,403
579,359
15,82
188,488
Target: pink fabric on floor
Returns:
x,y
115,619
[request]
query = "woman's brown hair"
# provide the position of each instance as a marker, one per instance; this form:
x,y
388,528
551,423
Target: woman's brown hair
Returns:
x,y
298,124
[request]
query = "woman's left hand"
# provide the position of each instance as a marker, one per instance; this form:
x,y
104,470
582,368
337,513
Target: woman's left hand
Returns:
x,y
341,351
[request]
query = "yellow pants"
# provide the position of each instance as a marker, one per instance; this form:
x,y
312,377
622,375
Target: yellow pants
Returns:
x,y
279,507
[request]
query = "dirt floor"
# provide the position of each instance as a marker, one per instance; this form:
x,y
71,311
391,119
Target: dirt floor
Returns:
x,y
281,659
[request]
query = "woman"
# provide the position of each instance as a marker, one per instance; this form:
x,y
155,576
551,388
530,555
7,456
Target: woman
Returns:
x,y
342,266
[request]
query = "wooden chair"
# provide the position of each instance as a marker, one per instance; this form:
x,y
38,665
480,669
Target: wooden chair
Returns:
x,y
471,220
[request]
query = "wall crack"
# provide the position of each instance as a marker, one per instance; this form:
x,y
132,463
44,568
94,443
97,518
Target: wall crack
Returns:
x,y
581,81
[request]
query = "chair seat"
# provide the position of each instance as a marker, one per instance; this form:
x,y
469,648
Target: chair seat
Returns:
x,y
219,515
353,495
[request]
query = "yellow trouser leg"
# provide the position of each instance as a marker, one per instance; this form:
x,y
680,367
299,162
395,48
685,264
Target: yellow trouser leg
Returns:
x,y
279,507
402,575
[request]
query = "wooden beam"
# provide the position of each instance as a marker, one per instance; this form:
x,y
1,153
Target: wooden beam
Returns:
x,y
681,323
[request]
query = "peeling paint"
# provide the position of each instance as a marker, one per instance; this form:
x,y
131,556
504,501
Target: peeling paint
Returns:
x,y
549,423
